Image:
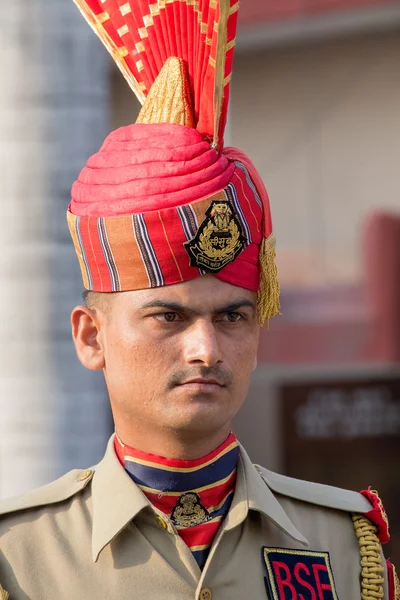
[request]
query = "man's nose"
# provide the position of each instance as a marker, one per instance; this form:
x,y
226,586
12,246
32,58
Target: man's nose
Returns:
x,y
201,344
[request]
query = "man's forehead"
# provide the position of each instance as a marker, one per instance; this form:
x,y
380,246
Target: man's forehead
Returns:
x,y
200,294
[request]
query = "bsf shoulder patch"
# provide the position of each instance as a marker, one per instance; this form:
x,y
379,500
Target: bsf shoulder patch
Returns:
x,y
218,240
298,575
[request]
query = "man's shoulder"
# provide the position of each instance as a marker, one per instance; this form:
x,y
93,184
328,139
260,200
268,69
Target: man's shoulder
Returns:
x,y
52,494
37,527
316,494
304,499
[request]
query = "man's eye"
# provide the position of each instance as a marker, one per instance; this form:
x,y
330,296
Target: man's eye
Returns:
x,y
168,317
233,317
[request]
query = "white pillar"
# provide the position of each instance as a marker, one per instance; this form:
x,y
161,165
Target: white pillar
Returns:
x,y
53,114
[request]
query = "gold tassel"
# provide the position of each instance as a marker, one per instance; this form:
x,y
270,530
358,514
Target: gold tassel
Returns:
x,y
268,303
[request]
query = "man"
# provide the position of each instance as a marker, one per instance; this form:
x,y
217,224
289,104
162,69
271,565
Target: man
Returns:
x,y
174,239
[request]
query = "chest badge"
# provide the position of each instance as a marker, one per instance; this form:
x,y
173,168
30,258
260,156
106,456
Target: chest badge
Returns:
x,y
189,511
298,575
218,240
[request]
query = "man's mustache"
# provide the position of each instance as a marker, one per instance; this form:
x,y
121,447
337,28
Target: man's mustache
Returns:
x,y
221,376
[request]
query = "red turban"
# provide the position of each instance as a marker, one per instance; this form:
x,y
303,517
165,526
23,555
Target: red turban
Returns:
x,y
163,202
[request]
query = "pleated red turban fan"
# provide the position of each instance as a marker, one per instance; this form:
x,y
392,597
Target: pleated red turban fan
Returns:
x,y
163,201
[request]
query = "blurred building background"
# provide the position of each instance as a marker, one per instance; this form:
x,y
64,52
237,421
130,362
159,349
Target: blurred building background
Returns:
x,y
315,103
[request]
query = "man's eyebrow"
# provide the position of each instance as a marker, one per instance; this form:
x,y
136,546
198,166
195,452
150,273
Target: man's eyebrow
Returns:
x,y
174,306
168,305
240,303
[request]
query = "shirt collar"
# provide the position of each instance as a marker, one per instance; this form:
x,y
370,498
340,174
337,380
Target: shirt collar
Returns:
x,y
117,500
253,493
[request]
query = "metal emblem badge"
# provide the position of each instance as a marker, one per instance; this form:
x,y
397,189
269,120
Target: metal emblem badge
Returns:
x,y
189,511
218,240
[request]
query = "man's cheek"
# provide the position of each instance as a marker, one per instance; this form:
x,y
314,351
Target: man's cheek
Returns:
x,y
244,361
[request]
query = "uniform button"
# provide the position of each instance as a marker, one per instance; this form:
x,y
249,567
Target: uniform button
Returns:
x,y
161,523
205,594
85,475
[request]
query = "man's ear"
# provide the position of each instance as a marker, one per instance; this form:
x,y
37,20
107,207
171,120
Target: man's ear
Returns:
x,y
86,333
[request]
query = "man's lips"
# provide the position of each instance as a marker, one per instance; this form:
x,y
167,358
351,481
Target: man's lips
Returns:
x,y
200,382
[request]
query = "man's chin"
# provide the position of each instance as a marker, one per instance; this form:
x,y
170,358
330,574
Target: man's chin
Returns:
x,y
200,412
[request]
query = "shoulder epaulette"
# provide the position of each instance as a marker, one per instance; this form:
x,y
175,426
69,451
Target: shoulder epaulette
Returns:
x,y
315,493
57,491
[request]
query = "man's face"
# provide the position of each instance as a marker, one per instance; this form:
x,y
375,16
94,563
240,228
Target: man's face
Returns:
x,y
180,357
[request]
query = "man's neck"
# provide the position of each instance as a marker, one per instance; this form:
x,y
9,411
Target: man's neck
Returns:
x,y
175,445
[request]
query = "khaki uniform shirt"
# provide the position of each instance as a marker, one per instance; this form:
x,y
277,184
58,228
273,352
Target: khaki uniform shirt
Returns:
x,y
93,535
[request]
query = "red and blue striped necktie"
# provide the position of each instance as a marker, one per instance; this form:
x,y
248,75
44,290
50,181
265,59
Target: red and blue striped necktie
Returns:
x,y
194,494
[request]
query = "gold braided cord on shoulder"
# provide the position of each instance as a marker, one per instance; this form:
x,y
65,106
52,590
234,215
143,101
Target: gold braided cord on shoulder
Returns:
x,y
396,586
371,559
3,594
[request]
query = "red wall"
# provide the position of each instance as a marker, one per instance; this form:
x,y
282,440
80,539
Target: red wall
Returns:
x,y
252,11
382,265
359,323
